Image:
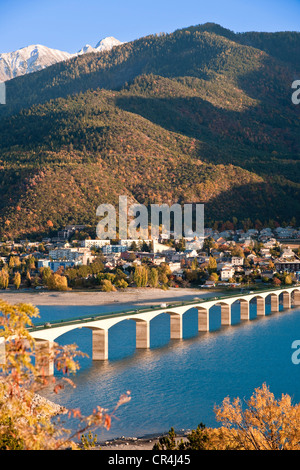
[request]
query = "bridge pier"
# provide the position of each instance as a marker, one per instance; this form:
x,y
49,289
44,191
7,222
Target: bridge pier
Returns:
x,y
244,310
286,300
45,335
225,314
175,326
260,306
274,303
100,344
296,297
142,334
44,358
203,319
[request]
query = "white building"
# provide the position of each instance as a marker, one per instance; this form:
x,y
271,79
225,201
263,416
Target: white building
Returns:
x,y
71,254
226,273
237,261
175,267
94,243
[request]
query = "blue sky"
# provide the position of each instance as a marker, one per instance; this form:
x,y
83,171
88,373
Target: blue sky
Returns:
x,y
70,24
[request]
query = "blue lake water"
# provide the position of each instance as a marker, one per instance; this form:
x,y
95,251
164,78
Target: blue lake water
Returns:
x,y
178,382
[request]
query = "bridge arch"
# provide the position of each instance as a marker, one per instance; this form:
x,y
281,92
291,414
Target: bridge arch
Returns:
x,y
101,325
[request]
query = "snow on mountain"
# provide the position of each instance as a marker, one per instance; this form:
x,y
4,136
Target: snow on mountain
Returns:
x,y
29,59
36,57
103,45
107,44
86,50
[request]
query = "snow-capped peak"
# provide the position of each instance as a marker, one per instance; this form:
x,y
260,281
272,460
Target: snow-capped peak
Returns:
x,y
36,57
29,59
86,49
105,44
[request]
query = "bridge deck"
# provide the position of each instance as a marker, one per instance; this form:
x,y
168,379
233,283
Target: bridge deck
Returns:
x,y
132,312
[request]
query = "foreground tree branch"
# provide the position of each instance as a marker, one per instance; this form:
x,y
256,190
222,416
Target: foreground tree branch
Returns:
x,y
26,419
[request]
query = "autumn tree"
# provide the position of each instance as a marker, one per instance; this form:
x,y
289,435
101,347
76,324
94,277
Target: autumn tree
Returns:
x,y
153,277
57,282
288,279
214,277
17,280
107,286
265,424
121,284
140,276
212,264
4,278
25,417
45,272
276,281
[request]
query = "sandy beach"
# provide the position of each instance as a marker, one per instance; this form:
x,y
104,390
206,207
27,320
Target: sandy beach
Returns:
x,y
143,296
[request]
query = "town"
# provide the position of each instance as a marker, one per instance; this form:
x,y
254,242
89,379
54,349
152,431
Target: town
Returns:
x,y
228,259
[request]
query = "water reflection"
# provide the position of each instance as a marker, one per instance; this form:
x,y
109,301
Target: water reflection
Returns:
x,y
178,382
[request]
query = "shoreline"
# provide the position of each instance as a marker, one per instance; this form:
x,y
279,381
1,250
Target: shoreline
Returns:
x,y
138,443
141,295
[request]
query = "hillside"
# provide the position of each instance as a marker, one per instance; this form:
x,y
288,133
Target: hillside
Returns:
x,y
195,116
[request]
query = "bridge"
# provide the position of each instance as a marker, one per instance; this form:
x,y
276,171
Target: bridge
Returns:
x,y
46,334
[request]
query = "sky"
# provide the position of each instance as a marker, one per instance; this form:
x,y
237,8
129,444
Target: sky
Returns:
x,y
70,24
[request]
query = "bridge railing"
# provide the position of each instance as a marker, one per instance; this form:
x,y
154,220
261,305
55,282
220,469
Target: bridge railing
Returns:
x,y
125,313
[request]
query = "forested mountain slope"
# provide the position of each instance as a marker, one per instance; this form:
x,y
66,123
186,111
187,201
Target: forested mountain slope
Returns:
x,y
199,115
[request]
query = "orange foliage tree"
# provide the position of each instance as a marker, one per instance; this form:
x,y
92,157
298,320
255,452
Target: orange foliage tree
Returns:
x,y
25,417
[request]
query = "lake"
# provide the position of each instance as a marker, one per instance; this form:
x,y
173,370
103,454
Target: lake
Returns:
x,y
178,382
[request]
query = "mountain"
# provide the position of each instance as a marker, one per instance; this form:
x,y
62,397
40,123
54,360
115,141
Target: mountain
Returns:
x,y
198,115
104,45
37,57
28,59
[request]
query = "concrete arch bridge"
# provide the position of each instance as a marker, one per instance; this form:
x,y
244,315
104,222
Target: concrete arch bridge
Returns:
x,y
46,334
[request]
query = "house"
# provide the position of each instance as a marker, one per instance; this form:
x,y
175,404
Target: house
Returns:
x,y
237,260
55,265
288,253
194,244
265,252
71,254
190,253
159,260
270,243
226,273
268,274
284,265
106,249
175,267
94,243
